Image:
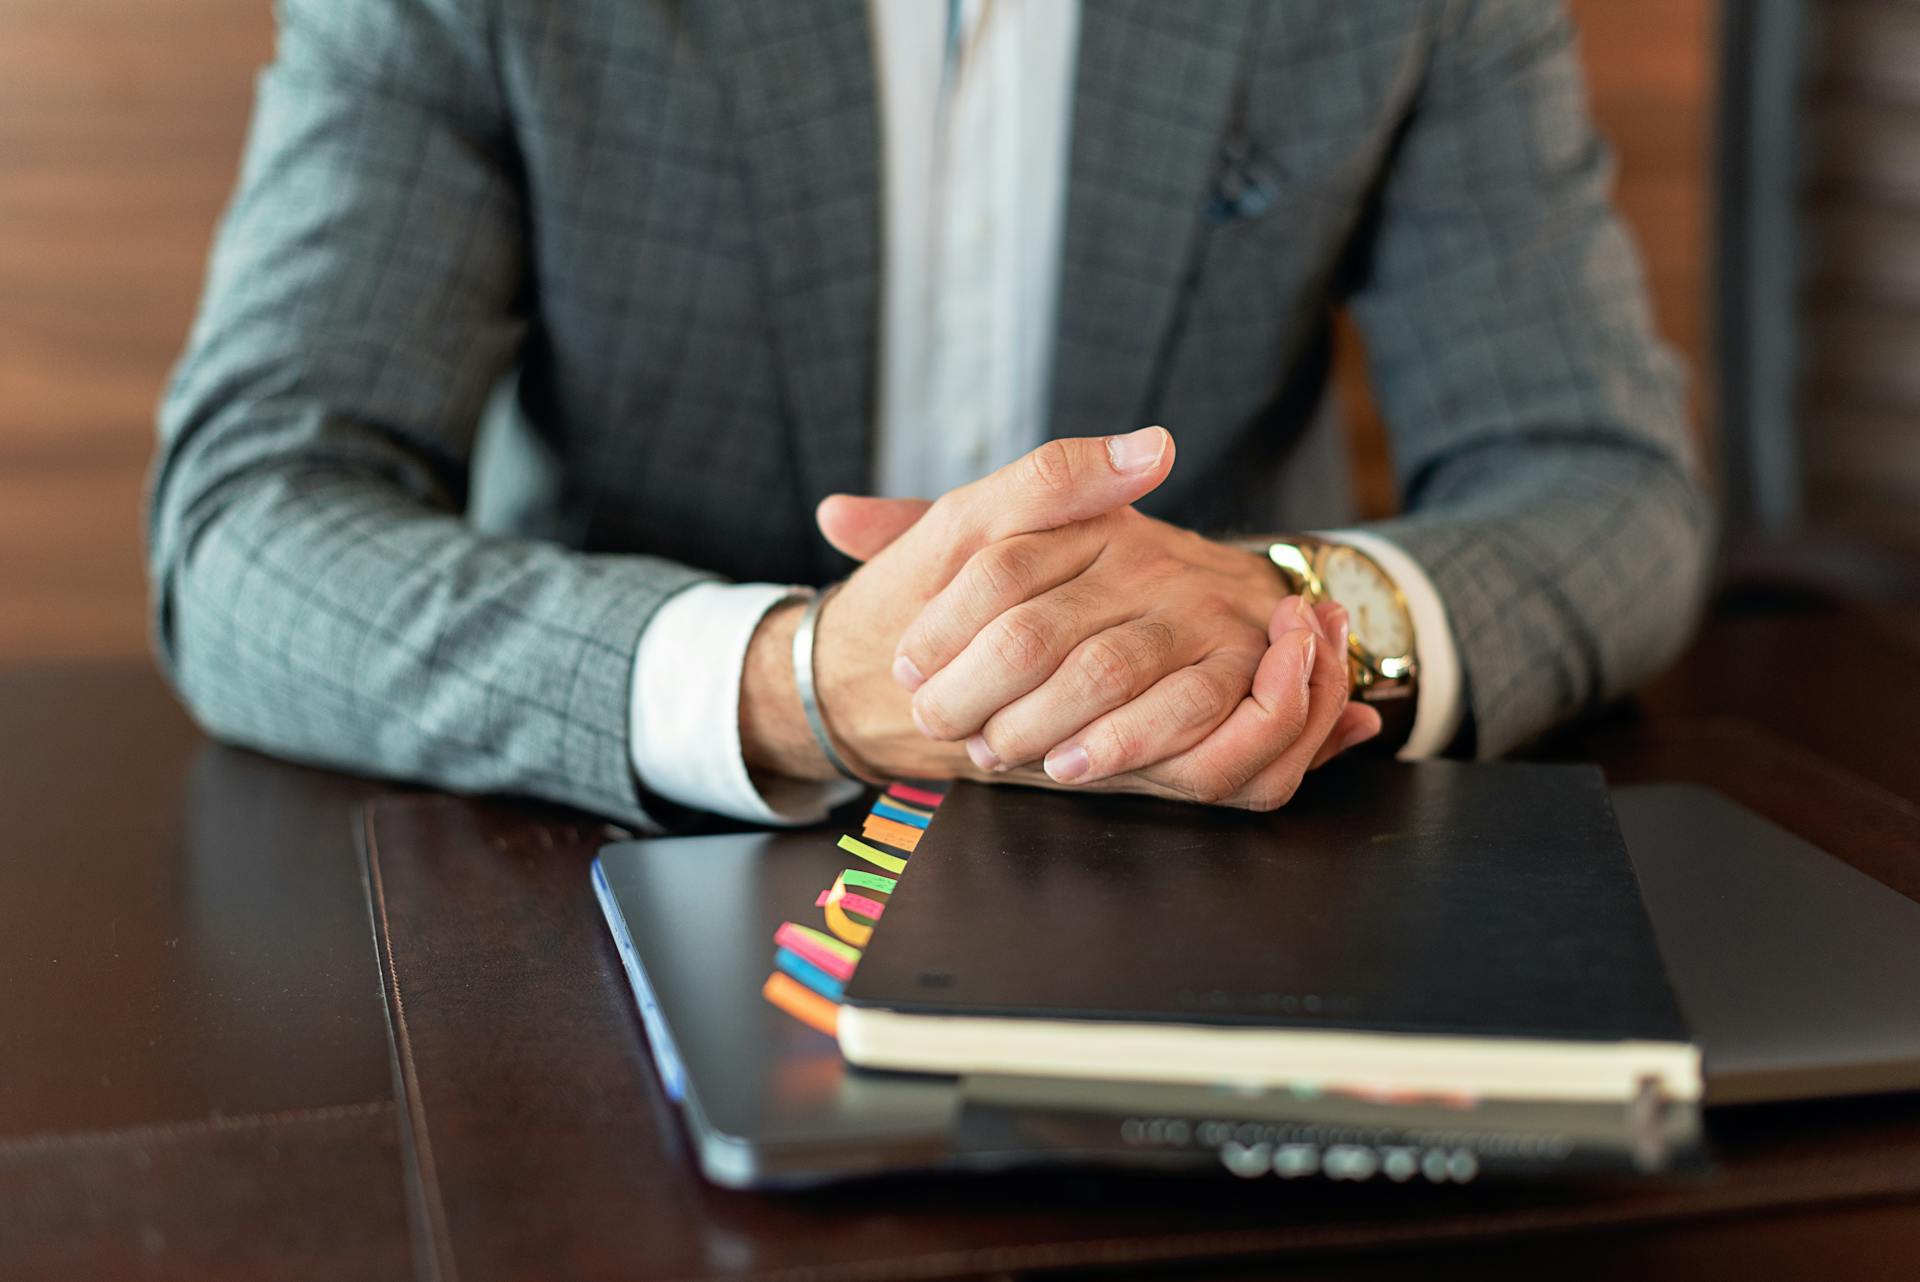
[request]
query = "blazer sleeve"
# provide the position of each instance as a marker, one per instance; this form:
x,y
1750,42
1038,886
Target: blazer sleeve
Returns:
x,y
316,592
1538,426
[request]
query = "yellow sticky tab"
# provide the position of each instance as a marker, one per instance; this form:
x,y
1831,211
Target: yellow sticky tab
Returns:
x,y
838,921
878,858
891,831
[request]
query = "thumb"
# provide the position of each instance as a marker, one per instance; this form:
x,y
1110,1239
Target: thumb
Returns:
x,y
1065,480
860,527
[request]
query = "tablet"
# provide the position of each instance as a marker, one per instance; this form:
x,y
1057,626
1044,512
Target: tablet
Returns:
x,y
1795,970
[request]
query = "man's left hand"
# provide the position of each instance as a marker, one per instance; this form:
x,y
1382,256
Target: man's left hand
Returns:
x,y
1122,648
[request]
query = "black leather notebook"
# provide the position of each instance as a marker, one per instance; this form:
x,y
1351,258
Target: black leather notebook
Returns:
x,y
1437,926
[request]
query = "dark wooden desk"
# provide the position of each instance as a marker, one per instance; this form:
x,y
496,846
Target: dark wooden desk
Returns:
x,y
197,1081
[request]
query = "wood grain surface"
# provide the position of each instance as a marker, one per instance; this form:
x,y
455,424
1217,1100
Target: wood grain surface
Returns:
x,y
120,130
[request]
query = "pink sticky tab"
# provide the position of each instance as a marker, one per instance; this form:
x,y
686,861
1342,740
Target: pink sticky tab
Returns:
x,y
861,904
820,900
791,936
918,796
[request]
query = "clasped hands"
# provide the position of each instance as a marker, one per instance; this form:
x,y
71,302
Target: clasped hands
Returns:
x,y
1032,627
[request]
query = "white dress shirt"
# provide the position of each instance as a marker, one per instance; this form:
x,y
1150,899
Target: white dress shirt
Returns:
x,y
975,104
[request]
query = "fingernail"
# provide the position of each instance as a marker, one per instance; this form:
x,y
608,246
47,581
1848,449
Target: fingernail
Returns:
x,y
919,722
907,675
1308,619
1136,451
1340,625
982,755
1306,666
1064,765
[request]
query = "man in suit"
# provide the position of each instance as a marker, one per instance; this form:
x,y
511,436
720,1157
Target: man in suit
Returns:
x,y
740,256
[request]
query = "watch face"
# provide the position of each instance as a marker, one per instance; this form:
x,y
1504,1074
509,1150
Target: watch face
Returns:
x,y
1375,612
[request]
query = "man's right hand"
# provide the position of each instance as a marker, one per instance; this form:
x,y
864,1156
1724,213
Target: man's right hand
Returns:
x,y
1288,714
910,552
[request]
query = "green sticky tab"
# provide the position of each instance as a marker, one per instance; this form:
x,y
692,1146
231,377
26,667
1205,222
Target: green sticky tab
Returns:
x,y
837,947
878,858
868,881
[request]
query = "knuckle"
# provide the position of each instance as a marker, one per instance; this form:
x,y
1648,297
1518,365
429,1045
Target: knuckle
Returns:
x,y
1199,698
1209,783
1292,721
1050,468
1117,746
934,719
1107,670
1008,571
1020,641
1271,794
1011,741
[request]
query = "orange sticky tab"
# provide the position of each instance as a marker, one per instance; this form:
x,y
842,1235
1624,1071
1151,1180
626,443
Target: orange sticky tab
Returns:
x,y
801,1002
891,831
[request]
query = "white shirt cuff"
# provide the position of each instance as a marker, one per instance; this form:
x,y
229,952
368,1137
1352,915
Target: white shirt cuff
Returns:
x,y
684,709
1440,703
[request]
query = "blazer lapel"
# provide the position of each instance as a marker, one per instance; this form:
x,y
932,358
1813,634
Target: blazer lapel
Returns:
x,y
1151,101
803,88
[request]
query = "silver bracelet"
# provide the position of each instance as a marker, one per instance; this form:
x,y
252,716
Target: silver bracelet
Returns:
x,y
809,697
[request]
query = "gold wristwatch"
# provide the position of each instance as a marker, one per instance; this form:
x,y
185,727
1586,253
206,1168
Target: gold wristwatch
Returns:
x,y
1381,663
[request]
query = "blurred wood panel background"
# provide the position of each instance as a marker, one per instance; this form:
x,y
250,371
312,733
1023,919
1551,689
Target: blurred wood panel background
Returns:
x,y
120,130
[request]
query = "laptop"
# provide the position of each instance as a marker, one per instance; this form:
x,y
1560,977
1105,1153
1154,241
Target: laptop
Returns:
x,y
1794,969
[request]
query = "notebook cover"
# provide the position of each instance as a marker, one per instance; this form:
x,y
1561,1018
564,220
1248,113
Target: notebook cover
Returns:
x,y
1436,898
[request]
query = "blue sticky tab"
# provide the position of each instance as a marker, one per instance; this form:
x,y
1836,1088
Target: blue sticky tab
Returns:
x,y
895,813
809,974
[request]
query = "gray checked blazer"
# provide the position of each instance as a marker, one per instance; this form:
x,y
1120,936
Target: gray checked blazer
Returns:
x,y
664,216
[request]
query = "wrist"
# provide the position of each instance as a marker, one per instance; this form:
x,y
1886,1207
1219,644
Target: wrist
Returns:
x,y
773,730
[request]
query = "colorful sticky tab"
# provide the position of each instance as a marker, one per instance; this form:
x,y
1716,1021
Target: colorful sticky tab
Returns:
x,y
840,904
809,974
856,933
844,952
852,903
801,1002
868,880
905,814
918,796
878,858
868,908
822,949
891,831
